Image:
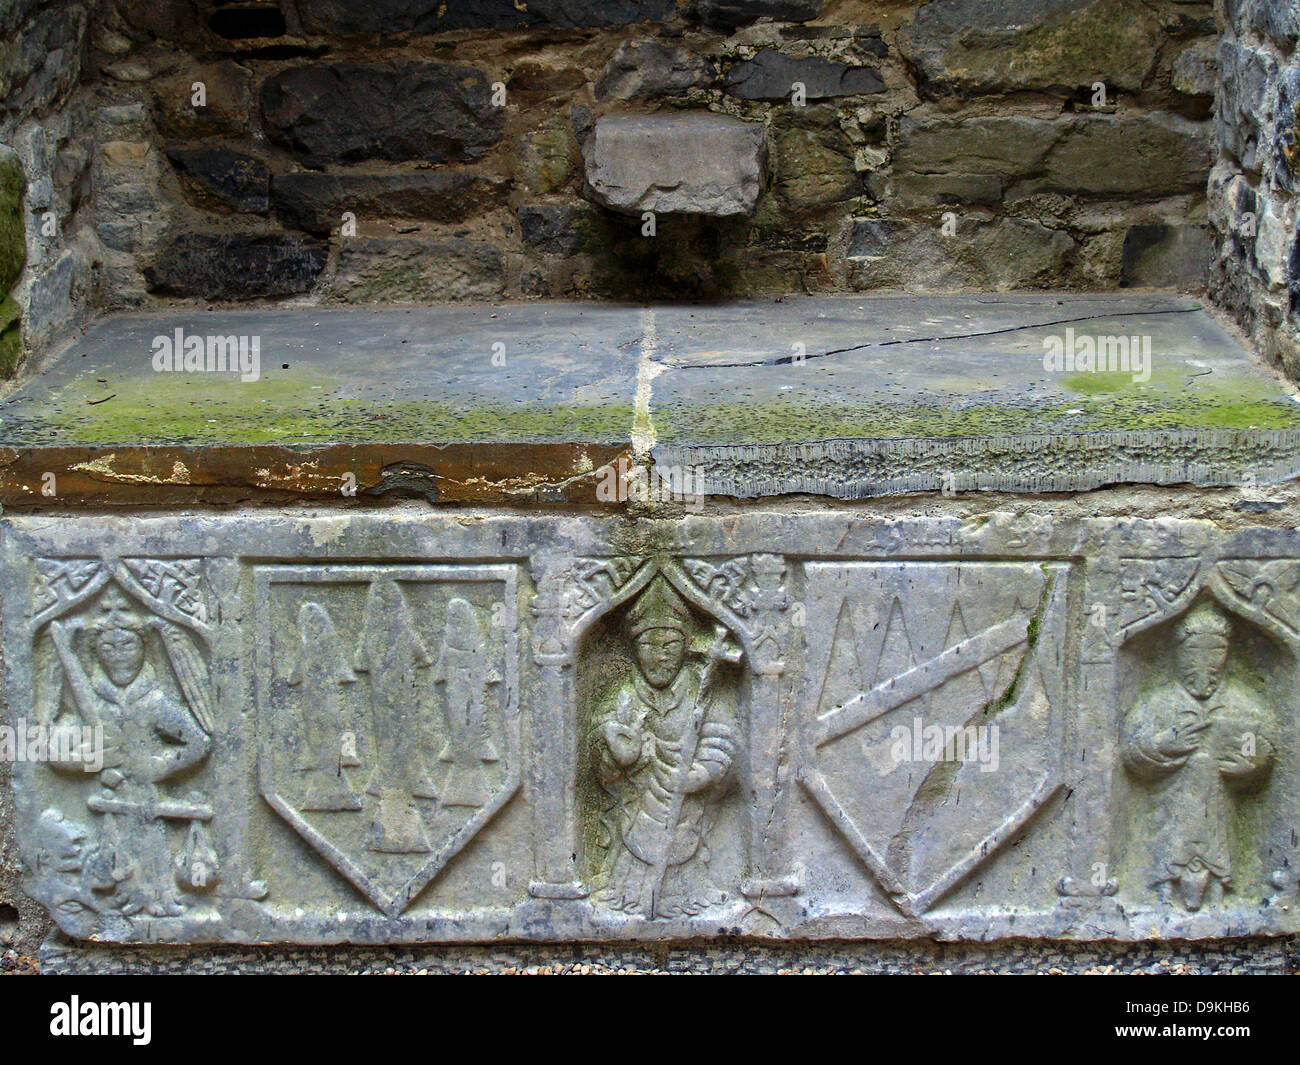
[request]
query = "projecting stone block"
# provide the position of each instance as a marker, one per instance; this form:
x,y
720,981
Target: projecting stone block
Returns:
x,y
701,164
472,729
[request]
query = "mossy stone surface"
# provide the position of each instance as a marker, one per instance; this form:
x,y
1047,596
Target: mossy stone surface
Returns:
x,y
13,241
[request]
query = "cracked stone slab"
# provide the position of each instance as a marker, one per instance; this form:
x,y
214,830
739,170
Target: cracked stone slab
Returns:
x,y
392,726
847,397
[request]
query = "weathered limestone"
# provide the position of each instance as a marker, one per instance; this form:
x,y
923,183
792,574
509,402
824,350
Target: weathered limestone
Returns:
x,y
516,403
408,747
701,164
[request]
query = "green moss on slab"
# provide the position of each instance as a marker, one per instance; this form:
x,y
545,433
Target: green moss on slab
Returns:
x,y
1250,404
205,409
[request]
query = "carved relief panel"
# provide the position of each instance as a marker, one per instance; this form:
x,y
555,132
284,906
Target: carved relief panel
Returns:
x,y
388,713
807,726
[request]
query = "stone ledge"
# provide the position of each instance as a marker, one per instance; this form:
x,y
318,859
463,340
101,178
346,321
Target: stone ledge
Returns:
x,y
846,397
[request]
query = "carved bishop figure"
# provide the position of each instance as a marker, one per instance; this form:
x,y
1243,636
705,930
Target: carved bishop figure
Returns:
x,y
666,745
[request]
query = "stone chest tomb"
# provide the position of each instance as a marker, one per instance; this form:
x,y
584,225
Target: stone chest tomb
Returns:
x,y
648,472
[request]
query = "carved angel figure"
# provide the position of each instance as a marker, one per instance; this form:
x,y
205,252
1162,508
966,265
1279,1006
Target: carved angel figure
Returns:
x,y
149,737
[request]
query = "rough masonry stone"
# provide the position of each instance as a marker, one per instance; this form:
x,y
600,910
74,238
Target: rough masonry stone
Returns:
x,y
1151,155
316,202
235,266
416,270
728,14
1166,256
233,178
691,163
980,46
404,110
433,16
643,69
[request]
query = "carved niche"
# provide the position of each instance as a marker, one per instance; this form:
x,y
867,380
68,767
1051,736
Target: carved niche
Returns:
x,y
121,684
1199,739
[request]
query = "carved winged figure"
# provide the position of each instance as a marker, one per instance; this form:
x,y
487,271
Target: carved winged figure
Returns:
x,y
149,737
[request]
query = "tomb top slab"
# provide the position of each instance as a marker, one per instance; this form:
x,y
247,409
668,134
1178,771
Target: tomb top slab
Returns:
x,y
848,397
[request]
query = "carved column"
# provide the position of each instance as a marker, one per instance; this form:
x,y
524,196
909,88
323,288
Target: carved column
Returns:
x,y
553,750
775,646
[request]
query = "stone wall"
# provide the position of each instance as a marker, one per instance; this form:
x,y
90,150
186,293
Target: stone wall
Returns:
x,y
417,151
1254,192
48,121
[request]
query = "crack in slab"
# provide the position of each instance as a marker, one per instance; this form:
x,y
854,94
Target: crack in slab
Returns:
x,y
788,360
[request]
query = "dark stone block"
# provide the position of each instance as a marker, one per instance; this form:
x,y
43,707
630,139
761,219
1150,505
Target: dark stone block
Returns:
x,y
236,179
554,228
316,202
728,14
346,112
433,16
1166,256
234,266
772,76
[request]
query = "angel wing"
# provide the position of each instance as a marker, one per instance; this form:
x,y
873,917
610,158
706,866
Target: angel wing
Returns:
x,y
192,673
